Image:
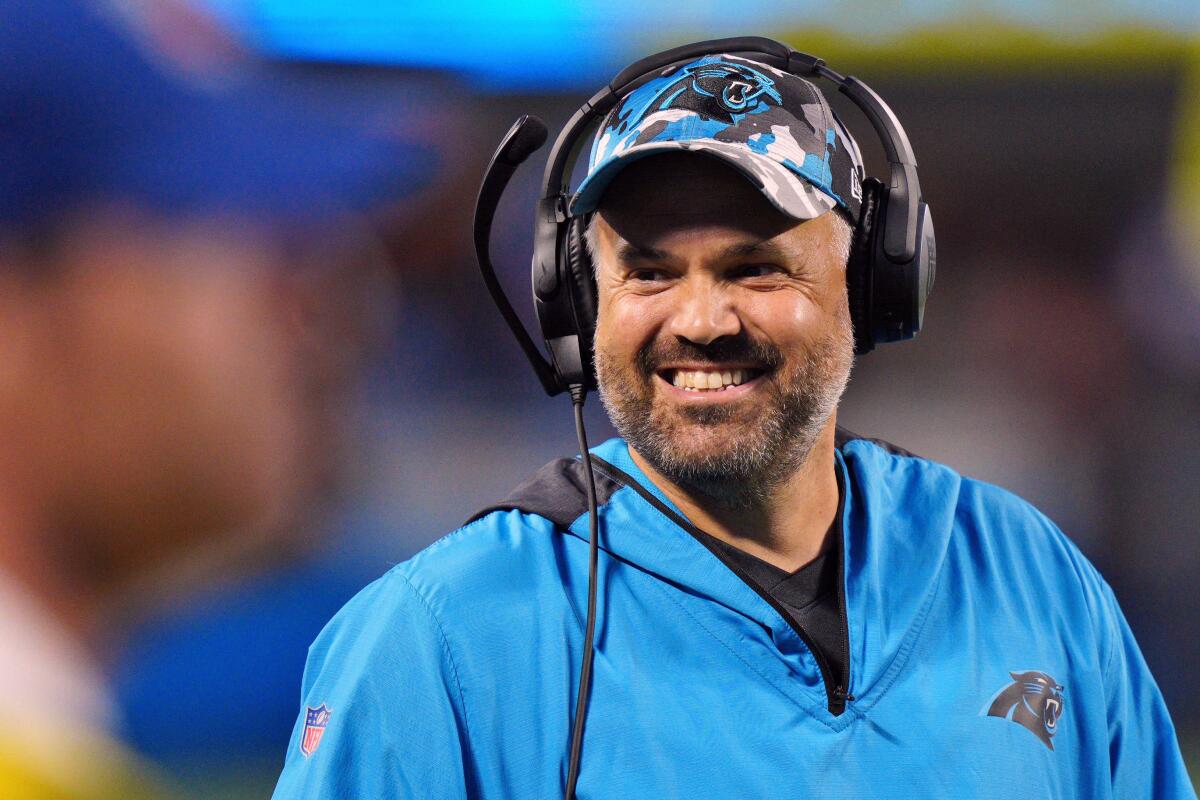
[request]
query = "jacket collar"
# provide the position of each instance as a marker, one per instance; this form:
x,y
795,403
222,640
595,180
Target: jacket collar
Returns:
x,y
896,516
669,549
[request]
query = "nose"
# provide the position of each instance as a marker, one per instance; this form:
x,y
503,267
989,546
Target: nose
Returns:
x,y
705,313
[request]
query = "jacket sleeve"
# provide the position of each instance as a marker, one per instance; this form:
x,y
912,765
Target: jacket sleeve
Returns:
x,y
1143,752
396,727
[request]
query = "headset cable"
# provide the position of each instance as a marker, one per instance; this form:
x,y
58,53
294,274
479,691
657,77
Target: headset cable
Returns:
x,y
578,393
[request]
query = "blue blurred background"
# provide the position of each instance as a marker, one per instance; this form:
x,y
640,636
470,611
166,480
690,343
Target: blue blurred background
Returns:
x,y
1059,147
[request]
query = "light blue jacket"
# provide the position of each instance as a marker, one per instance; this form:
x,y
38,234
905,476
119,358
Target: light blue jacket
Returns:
x,y
454,675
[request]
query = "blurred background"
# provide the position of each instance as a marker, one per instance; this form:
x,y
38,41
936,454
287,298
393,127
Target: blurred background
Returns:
x,y
1059,148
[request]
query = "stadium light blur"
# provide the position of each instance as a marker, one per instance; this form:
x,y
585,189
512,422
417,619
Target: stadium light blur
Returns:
x,y
568,44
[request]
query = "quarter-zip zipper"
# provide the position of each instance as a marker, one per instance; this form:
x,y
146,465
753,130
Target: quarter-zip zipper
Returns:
x,y
836,694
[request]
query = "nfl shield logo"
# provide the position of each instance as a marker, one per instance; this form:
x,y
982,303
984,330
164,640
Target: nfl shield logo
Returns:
x,y
315,720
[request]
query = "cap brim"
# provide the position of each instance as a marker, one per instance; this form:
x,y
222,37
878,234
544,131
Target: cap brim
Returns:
x,y
786,189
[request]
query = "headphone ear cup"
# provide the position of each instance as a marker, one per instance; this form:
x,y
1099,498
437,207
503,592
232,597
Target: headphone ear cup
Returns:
x,y
581,278
860,266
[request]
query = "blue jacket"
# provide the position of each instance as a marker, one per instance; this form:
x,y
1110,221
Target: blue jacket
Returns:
x,y
988,659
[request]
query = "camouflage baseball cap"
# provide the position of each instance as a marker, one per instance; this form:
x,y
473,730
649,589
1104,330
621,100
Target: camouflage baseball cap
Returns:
x,y
777,129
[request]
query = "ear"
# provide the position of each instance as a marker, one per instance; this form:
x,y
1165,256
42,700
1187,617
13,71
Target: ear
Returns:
x,y
1016,676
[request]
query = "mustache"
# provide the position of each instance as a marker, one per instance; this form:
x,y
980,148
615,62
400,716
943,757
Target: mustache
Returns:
x,y
740,348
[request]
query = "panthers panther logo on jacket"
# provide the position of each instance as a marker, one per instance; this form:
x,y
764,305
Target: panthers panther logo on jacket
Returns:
x,y
1034,700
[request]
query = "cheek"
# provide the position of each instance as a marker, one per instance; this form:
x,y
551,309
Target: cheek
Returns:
x,y
787,318
624,324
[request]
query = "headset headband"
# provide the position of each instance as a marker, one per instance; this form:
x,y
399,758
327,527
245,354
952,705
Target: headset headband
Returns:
x,y
900,232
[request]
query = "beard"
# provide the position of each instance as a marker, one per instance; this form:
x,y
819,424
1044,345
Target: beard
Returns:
x,y
735,453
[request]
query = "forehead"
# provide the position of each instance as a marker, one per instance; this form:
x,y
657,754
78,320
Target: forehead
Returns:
x,y
680,192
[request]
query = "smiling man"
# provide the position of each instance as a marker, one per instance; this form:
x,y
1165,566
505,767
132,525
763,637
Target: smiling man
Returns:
x,y
786,609
724,346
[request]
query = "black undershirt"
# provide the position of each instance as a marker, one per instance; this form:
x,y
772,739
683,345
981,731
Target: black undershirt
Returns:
x,y
809,595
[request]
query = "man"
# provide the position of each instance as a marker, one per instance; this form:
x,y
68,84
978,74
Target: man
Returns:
x,y
786,609
157,424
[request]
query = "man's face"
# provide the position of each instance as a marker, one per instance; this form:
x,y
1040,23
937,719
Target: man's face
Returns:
x,y
723,340
169,399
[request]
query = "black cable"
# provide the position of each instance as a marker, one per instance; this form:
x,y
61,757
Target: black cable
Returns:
x,y
578,393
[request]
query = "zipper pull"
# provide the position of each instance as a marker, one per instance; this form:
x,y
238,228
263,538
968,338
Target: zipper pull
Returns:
x,y
838,700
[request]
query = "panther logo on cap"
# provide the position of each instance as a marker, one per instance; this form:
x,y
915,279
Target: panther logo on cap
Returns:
x,y
1034,700
718,90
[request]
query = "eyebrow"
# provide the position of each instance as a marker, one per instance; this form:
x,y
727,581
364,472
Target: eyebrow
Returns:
x,y
768,249
628,252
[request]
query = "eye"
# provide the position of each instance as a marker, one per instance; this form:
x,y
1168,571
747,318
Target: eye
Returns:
x,y
756,270
647,275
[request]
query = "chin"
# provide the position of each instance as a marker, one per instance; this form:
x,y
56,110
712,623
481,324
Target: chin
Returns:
x,y
707,447
705,440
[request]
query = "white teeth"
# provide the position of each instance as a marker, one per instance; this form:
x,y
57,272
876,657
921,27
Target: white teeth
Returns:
x,y
708,381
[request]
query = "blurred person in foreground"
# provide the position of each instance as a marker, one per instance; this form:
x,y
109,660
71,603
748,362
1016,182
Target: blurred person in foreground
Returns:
x,y
786,609
159,425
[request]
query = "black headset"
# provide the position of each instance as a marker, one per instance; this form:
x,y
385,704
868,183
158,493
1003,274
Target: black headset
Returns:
x,y
889,274
891,267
